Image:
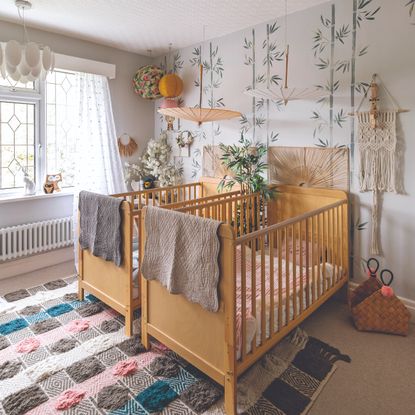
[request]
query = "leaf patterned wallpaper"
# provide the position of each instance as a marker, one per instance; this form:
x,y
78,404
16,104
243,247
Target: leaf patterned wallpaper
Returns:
x,y
336,47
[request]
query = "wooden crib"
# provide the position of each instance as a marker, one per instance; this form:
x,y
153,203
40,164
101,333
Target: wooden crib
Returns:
x,y
114,285
298,247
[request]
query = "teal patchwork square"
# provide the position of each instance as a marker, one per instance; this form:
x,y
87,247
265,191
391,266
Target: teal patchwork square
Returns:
x,y
59,309
180,382
13,326
156,397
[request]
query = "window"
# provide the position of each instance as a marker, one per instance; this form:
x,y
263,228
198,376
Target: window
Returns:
x,y
38,126
61,122
17,143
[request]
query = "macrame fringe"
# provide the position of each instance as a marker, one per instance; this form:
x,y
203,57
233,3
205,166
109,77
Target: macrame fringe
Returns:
x,y
375,248
377,148
326,351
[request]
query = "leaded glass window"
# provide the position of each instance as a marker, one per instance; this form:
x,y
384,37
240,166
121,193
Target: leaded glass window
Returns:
x,y
62,122
17,143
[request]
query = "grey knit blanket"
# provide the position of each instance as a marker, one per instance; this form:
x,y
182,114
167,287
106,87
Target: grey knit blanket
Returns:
x,y
100,226
181,252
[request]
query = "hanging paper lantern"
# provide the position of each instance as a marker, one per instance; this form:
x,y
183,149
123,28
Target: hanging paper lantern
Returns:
x,y
146,81
169,103
170,86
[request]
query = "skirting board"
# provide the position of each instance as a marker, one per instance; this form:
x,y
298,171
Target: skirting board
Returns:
x,y
410,304
34,262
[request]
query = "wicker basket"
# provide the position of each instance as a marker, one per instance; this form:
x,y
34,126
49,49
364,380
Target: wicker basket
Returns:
x,y
364,290
381,314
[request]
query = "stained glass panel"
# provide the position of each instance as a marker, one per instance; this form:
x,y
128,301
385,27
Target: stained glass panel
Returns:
x,y
61,119
17,140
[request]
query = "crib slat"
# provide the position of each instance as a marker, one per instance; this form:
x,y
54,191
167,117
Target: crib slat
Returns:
x,y
243,300
313,261
263,298
336,215
294,266
341,238
258,211
332,259
271,283
324,251
279,246
319,256
301,268
253,289
287,276
307,262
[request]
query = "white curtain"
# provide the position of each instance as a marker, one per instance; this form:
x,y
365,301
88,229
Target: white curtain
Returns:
x,y
98,166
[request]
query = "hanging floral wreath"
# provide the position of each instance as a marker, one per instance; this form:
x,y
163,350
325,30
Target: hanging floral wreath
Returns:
x,y
184,138
146,81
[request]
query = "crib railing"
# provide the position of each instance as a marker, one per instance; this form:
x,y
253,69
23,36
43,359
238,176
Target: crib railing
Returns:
x,y
286,268
245,213
203,200
163,195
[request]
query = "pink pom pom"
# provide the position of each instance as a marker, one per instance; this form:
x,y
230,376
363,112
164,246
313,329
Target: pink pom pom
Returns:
x,y
27,345
76,326
125,367
386,291
68,399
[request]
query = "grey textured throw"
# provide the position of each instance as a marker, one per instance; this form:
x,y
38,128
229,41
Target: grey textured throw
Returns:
x,y
100,226
182,253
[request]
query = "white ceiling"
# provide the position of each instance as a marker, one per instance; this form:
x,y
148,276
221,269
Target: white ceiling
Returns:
x,y
142,25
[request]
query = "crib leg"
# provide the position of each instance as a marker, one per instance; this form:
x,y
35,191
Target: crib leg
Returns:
x,y
129,318
230,394
144,336
81,293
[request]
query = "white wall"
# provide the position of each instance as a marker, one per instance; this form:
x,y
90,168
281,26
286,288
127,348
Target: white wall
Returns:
x,y
132,114
386,45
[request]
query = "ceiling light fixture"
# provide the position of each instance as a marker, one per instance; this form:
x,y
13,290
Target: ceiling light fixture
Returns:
x,y
284,93
25,62
198,113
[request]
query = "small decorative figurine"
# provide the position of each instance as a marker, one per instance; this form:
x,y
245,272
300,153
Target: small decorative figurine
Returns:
x,y
29,185
48,188
54,179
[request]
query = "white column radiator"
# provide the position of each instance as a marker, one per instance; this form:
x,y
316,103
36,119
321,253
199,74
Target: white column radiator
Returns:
x,y
33,238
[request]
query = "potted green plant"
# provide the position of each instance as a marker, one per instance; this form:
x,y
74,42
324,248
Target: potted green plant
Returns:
x,y
246,163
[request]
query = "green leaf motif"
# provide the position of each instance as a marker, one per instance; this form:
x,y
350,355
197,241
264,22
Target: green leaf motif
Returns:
x,y
323,143
340,118
360,226
323,63
274,136
411,5
342,33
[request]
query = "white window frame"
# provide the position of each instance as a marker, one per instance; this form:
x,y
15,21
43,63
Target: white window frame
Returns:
x,y
36,98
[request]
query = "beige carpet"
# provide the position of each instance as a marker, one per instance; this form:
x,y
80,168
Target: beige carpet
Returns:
x,y
379,381
381,378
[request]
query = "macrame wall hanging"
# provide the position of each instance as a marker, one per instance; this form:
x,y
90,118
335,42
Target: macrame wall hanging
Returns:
x,y
126,145
377,143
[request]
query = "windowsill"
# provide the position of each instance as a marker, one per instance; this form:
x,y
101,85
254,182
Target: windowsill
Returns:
x,y
16,197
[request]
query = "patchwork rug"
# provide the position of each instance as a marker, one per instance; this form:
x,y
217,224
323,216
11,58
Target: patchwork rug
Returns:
x,y
61,355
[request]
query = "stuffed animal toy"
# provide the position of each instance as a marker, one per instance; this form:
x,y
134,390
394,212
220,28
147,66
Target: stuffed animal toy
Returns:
x,y
54,180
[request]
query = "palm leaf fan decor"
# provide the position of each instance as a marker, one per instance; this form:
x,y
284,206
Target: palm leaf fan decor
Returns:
x,y
309,167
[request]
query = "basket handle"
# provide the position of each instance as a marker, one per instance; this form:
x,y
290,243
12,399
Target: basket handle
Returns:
x,y
373,271
390,273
